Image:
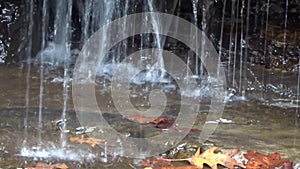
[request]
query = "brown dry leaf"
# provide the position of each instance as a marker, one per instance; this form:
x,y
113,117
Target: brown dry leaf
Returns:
x,y
88,140
40,165
258,160
212,159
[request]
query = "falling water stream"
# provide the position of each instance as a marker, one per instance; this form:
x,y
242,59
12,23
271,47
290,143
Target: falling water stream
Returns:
x,y
44,27
284,37
195,13
242,56
262,100
30,31
232,24
235,46
222,34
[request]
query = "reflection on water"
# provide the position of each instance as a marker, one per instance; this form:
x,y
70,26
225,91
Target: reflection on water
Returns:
x,y
266,126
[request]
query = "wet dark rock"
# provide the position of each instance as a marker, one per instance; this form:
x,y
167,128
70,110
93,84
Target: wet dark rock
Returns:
x,y
184,149
15,22
14,36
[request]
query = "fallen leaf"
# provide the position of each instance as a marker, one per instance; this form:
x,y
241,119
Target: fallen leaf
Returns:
x,y
143,119
208,157
258,160
212,159
88,140
162,123
165,124
40,165
159,120
155,162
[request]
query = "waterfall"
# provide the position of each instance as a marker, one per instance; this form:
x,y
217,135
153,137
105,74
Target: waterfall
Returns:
x,y
65,26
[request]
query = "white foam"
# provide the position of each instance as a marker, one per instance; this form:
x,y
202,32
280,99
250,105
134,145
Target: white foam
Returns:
x,y
58,153
125,69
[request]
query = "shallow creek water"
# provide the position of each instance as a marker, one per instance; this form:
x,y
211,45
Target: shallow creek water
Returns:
x,y
248,124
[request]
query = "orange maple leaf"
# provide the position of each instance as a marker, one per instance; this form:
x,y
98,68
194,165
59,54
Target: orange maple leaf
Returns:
x,y
258,160
212,159
88,140
40,165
